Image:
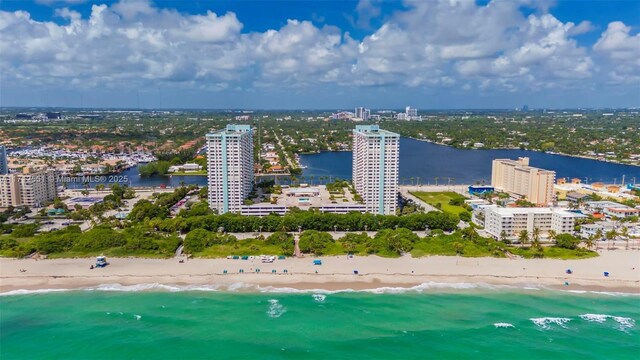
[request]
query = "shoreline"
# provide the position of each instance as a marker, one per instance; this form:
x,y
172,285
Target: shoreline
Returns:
x,y
375,274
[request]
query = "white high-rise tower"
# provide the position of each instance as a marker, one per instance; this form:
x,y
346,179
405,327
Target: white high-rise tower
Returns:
x,y
375,168
229,167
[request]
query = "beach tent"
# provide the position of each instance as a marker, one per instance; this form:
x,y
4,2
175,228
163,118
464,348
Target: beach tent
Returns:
x,y
317,262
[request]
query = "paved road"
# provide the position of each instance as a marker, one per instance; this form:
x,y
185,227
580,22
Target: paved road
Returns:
x,y
292,164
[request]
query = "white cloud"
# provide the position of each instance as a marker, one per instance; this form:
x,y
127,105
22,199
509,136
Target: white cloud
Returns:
x,y
617,42
443,44
621,52
582,28
367,10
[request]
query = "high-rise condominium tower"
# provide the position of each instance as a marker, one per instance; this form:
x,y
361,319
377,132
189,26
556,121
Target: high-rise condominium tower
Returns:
x,y
229,167
375,167
519,179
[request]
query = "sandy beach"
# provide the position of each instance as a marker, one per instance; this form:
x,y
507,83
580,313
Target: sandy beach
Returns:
x,y
335,273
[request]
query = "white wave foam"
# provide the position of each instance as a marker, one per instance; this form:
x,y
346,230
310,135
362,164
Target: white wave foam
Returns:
x,y
240,286
30,292
388,289
319,297
599,318
275,309
502,325
609,293
623,323
132,288
545,322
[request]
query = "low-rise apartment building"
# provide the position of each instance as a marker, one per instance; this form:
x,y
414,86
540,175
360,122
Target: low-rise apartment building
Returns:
x,y
612,209
512,221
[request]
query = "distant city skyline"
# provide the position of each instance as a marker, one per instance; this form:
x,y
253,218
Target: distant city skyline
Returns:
x,y
140,54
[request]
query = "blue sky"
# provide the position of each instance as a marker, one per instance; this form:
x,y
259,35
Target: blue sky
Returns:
x,y
320,54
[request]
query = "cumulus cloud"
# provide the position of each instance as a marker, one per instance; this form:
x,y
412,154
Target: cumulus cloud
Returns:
x,y
366,11
621,51
430,44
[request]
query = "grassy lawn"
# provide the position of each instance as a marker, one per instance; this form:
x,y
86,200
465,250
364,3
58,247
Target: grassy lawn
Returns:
x,y
442,197
553,252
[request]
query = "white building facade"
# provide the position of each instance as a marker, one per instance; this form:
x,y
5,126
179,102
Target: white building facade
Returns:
x,y
512,221
375,168
230,162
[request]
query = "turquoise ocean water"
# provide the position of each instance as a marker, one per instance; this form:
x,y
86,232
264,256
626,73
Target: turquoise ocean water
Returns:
x,y
431,324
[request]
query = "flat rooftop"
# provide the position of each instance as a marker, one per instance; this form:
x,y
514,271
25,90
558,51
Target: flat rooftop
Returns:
x,y
308,197
534,210
231,129
374,131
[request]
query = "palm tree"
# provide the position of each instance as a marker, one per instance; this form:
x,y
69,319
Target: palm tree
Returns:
x,y
625,234
598,237
552,235
523,237
611,236
503,236
590,241
536,238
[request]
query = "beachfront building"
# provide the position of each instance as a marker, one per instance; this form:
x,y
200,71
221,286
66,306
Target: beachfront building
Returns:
x,y
229,167
512,221
32,189
375,168
4,164
519,180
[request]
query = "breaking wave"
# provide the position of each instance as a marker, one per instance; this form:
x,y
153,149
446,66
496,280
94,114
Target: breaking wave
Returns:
x,y
248,287
622,323
502,325
547,322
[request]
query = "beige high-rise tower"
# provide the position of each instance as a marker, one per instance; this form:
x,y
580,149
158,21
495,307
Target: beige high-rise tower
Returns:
x,y
518,179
